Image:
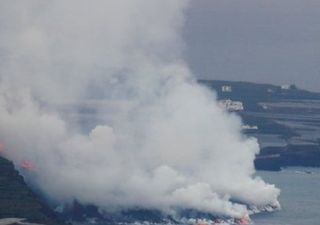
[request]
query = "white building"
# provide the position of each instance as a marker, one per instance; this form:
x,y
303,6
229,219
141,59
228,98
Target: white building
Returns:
x,y
226,88
248,127
286,87
231,105
270,90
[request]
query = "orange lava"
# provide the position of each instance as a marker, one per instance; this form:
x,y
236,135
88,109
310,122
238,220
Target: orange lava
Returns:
x,y
25,164
243,221
2,148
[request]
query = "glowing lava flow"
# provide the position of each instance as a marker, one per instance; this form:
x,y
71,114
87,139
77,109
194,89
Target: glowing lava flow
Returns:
x,y
26,165
2,148
243,221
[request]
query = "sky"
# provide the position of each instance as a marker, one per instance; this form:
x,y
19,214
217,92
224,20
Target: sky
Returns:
x,y
265,41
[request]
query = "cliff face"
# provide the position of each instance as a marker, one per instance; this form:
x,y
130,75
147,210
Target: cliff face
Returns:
x,y
18,201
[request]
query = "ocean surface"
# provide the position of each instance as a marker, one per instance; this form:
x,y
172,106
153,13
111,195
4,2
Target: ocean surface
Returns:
x,y
300,197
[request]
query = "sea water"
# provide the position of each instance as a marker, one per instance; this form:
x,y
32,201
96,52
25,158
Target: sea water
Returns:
x,y
300,197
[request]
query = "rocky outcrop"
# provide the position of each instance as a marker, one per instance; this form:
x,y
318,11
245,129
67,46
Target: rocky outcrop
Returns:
x,y
274,158
18,201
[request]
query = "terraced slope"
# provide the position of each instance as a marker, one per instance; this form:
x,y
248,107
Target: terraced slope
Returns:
x,y
286,121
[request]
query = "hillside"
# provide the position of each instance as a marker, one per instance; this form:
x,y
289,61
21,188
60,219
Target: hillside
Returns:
x,y
284,119
18,201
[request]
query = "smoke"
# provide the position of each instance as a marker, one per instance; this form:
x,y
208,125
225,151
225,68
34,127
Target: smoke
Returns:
x,y
96,97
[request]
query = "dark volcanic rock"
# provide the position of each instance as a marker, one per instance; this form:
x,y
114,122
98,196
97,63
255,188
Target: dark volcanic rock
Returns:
x,y
83,213
18,201
269,162
301,155
273,158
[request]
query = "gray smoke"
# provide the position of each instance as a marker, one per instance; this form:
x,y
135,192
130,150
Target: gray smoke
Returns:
x,y
95,95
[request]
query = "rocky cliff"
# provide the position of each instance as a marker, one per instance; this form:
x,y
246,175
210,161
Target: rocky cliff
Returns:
x,y
18,201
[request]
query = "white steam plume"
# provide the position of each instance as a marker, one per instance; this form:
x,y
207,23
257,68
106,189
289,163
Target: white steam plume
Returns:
x,y
156,140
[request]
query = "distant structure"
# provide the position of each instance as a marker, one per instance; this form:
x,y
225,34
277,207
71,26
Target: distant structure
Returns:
x,y
264,106
248,127
226,88
285,87
230,105
270,90
289,87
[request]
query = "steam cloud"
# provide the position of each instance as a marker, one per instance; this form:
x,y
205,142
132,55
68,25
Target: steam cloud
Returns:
x,y
96,95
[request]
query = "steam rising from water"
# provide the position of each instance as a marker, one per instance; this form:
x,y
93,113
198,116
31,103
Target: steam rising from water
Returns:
x,y
159,140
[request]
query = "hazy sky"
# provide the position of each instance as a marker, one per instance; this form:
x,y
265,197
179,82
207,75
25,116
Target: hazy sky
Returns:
x,y
271,41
